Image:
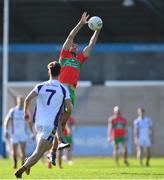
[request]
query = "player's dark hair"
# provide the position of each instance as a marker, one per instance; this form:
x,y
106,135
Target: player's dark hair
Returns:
x,y
54,68
141,109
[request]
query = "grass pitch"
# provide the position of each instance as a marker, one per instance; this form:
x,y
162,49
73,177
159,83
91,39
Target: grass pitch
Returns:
x,y
90,168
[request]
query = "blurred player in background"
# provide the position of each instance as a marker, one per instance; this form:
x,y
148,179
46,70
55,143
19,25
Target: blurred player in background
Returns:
x,y
117,134
71,62
143,133
50,95
15,130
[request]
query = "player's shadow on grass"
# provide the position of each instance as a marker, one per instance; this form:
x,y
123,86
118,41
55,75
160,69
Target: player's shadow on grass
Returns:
x,y
140,167
138,174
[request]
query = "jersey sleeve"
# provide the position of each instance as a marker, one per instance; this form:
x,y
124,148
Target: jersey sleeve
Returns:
x,y
63,54
37,88
10,113
82,58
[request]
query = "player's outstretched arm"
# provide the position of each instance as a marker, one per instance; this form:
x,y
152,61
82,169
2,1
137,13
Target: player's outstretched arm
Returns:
x,y
75,30
92,42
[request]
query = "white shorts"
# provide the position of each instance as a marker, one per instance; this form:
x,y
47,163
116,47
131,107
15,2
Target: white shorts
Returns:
x,y
44,132
144,142
17,138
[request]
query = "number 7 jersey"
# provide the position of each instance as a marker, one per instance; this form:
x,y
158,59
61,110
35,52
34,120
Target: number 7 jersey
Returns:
x,y
49,102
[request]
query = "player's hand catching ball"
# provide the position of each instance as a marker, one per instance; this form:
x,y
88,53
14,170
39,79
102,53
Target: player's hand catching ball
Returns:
x,y
84,18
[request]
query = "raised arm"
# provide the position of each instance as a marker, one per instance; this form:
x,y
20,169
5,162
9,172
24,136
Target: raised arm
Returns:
x,y
84,20
92,42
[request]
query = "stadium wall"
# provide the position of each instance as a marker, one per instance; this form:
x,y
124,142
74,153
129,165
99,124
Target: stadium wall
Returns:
x,y
94,104
107,62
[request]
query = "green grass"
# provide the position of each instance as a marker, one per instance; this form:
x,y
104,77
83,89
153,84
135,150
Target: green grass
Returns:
x,y
90,168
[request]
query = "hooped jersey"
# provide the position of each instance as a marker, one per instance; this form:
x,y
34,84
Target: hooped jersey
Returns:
x,y
70,67
119,124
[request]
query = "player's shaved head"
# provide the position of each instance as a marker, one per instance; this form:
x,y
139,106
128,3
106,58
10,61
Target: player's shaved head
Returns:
x,y
20,101
116,110
141,111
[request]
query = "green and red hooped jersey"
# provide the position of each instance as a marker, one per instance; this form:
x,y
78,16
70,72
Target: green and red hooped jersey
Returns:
x,y
119,124
70,67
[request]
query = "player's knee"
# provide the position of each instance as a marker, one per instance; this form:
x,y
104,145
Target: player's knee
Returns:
x,y
37,156
63,124
67,113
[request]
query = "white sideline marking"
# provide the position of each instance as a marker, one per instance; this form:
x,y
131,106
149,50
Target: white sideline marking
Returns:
x,y
33,83
134,83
